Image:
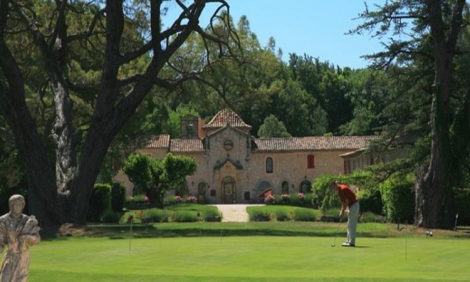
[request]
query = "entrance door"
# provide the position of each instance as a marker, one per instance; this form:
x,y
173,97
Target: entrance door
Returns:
x,y
201,193
228,190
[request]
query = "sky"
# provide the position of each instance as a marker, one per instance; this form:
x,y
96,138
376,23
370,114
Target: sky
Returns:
x,y
313,27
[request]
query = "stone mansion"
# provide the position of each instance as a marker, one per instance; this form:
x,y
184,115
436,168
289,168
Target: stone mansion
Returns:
x,y
235,167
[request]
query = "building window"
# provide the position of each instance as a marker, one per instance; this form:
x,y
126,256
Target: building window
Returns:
x,y
247,196
269,165
310,161
212,193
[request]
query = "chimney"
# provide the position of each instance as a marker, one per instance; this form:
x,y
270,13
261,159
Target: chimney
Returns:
x,y
200,131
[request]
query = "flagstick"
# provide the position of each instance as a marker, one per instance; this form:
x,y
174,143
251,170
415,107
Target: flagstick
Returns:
x,y
406,247
406,242
131,219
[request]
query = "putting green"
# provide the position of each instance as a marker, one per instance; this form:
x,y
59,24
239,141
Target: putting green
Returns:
x,y
251,258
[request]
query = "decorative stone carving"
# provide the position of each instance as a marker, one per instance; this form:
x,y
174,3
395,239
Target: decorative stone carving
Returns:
x,y
18,231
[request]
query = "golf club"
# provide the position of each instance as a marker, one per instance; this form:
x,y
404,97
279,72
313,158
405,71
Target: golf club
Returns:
x,y
336,235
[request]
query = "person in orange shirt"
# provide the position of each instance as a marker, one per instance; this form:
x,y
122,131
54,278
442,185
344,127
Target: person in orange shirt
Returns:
x,y
349,201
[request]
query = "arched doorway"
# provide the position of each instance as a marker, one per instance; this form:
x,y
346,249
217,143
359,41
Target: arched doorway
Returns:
x,y
285,187
228,190
305,187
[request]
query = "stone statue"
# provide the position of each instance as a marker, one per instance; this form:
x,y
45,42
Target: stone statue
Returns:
x,y
19,232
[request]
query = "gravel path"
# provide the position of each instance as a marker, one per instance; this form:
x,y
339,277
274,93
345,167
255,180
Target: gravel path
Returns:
x,y
234,213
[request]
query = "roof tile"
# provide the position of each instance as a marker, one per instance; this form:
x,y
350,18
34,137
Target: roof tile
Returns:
x,y
312,143
186,145
159,141
224,117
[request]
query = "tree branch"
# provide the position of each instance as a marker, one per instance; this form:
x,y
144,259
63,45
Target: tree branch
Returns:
x,y
456,24
90,31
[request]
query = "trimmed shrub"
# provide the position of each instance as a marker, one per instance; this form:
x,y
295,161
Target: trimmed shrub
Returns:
x,y
100,202
111,217
154,215
329,218
304,215
282,215
308,200
297,199
212,216
259,216
371,217
118,197
398,197
136,217
137,202
173,200
292,199
185,216
462,198
332,215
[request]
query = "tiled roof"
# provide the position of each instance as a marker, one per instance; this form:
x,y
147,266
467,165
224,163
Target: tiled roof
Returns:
x,y
186,145
312,143
224,117
160,141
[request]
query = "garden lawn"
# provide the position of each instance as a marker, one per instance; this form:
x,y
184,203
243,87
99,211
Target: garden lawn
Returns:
x,y
250,258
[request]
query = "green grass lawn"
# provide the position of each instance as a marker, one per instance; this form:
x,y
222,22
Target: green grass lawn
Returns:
x,y
218,253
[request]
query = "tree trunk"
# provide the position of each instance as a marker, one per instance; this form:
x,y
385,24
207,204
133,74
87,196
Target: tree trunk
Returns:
x,y
43,197
434,195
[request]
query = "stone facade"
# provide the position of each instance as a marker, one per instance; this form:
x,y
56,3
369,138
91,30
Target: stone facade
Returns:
x,y
235,167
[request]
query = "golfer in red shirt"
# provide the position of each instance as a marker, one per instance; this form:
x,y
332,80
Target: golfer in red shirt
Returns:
x,y
348,200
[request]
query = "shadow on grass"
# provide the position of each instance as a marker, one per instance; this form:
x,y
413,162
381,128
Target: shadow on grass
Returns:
x,y
152,231
117,232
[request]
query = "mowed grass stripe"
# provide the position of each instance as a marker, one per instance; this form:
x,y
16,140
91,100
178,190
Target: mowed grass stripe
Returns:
x,y
250,258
